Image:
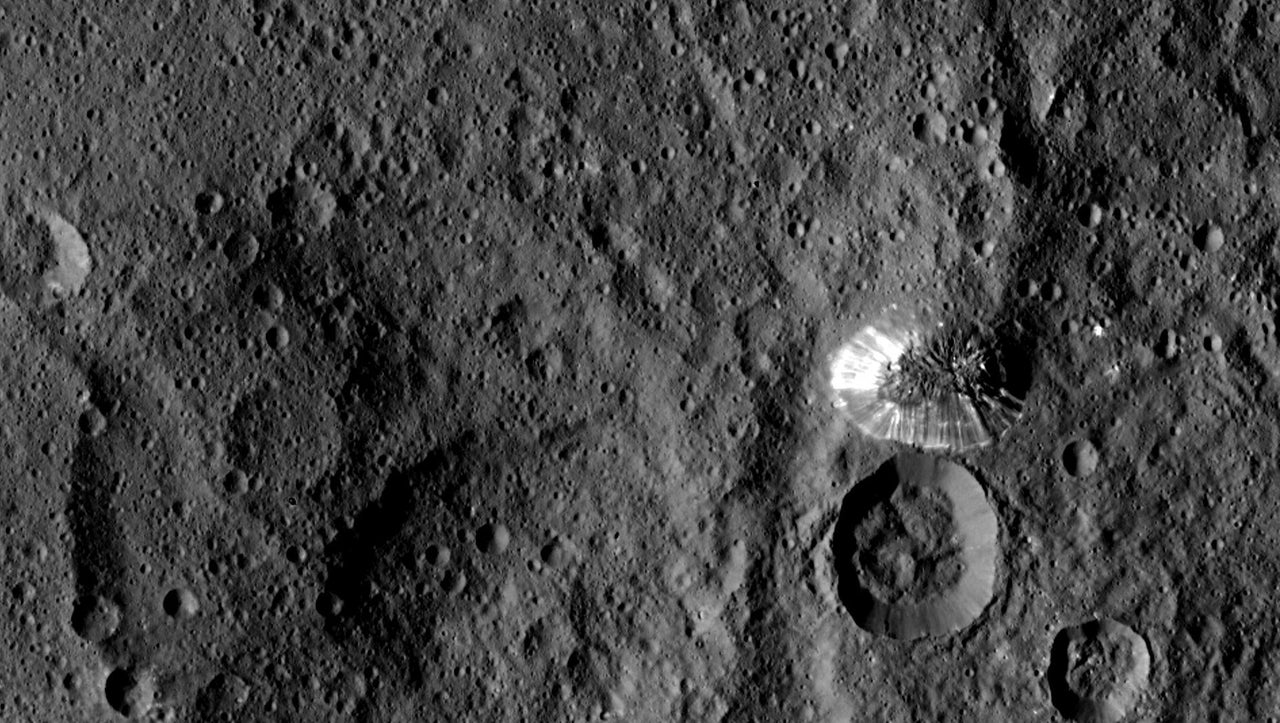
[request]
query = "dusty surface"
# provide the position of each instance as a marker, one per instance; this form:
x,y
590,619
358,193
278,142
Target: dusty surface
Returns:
x,y
390,361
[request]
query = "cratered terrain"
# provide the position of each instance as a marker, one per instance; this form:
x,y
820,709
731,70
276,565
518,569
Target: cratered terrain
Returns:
x,y
743,361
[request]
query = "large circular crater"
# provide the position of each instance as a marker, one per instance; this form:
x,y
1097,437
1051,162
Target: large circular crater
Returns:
x,y
1097,671
915,548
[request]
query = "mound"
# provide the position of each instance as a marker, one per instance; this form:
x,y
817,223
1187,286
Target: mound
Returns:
x,y
941,387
